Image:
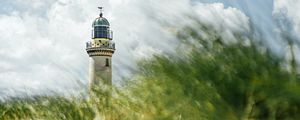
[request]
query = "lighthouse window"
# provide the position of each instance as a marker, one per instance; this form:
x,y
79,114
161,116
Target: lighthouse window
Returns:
x,y
101,32
107,62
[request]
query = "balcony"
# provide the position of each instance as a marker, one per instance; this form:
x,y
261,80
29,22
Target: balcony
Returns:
x,y
110,45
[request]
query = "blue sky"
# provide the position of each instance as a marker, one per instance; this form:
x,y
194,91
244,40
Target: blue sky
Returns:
x,y
48,37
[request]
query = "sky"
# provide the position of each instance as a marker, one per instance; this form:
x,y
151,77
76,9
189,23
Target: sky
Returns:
x,y
42,48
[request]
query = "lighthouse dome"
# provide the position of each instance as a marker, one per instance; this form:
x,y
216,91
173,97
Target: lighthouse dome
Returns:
x,y
100,21
101,28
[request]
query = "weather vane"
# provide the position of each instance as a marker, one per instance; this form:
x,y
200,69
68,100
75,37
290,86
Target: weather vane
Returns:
x,y
101,11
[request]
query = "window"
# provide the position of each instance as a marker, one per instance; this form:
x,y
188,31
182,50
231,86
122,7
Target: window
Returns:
x,y
101,32
107,62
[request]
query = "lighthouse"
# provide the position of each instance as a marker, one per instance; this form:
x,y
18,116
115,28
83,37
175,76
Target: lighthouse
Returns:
x,y
100,50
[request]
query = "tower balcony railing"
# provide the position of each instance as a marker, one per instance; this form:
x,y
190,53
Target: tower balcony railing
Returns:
x,y
109,45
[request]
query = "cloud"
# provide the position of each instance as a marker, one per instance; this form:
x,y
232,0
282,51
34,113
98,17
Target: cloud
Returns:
x,y
45,51
226,21
42,54
288,19
287,14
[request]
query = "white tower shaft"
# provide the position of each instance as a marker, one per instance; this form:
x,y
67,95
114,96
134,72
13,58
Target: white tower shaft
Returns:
x,y
100,71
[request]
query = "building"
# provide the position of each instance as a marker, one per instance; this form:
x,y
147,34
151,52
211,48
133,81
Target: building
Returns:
x,y
100,50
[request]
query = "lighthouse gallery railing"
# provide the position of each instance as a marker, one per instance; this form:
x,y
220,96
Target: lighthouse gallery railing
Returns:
x,y
110,45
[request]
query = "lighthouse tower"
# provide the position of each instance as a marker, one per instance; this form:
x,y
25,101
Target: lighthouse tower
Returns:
x,y
100,50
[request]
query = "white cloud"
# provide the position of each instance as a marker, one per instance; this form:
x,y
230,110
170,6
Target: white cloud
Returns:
x,y
287,12
226,21
42,53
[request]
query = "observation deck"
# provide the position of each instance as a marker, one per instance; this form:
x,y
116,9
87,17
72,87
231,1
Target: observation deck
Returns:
x,y
107,49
